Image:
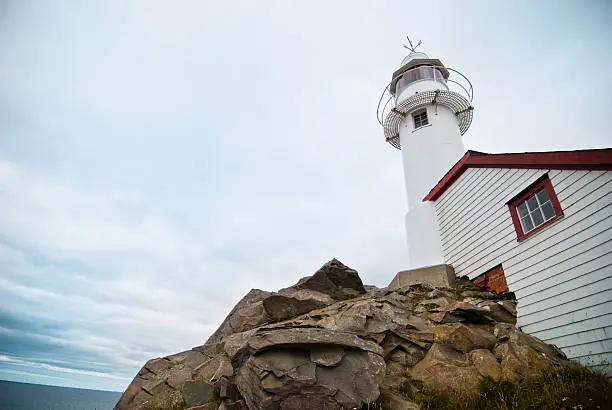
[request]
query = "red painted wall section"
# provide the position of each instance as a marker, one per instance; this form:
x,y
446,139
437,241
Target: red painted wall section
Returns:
x,y
493,280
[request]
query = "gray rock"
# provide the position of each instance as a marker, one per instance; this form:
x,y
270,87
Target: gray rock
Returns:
x,y
396,402
464,338
445,368
327,356
213,369
233,405
280,307
509,305
196,393
479,294
462,312
486,363
500,312
227,389
267,339
272,377
351,319
275,379
282,367
334,279
323,343
432,305
357,378
207,406
247,314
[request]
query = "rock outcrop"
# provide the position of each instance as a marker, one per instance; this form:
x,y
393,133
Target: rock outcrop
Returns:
x,y
327,343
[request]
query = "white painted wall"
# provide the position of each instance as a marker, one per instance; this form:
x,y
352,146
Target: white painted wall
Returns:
x,y
427,154
562,275
418,86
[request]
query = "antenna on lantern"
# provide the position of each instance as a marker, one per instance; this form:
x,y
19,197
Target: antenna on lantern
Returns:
x,y
412,47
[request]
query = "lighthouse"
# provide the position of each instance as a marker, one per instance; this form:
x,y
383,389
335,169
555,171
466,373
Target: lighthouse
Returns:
x,y
424,111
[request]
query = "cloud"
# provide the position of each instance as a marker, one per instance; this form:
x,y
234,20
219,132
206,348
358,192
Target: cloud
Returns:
x,y
30,374
61,369
101,300
159,160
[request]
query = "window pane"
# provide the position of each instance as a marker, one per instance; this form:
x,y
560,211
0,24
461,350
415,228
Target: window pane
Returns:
x,y
548,210
538,219
419,73
527,224
542,196
420,119
522,209
532,203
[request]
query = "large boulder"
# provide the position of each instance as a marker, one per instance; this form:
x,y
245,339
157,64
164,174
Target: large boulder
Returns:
x,y
333,281
297,378
248,313
174,380
464,338
446,368
521,355
485,362
327,343
280,307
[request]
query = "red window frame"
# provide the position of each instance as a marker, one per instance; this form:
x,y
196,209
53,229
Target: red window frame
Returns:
x,y
542,182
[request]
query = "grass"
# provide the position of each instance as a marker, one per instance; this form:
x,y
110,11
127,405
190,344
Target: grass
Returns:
x,y
213,396
167,406
463,283
568,387
171,403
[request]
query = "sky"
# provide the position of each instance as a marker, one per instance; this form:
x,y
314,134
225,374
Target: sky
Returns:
x,y
160,159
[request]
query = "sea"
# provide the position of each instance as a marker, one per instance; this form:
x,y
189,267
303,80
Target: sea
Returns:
x,y
24,396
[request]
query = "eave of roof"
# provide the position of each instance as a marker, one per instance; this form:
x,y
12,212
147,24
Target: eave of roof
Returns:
x,y
590,159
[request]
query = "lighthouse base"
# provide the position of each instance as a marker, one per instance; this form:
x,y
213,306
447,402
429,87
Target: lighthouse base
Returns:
x,y
439,276
424,245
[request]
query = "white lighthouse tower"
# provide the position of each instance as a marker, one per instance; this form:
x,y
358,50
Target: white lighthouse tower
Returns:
x,y
424,111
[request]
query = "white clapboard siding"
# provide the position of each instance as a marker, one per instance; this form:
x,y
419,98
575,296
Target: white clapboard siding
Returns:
x,y
570,312
566,271
562,274
573,312
595,360
583,337
469,219
488,197
587,349
593,293
583,326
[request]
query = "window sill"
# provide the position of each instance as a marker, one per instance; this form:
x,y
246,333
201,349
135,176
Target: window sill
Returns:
x,y
540,228
420,128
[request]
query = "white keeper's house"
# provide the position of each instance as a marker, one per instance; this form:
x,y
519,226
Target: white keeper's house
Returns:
x,y
538,224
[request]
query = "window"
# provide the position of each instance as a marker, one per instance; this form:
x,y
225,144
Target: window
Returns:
x,y
534,208
420,118
420,73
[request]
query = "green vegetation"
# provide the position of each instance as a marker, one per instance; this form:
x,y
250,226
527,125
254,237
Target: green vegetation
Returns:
x,y
464,283
213,396
567,387
172,403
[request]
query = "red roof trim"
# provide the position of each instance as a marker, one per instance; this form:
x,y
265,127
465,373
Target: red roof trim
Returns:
x,y
592,159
